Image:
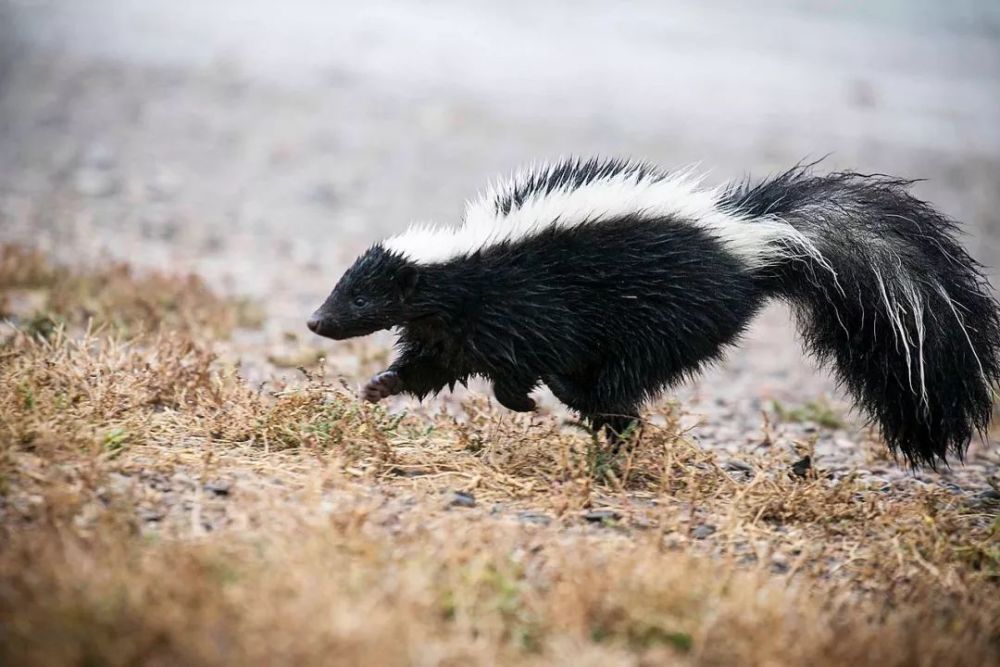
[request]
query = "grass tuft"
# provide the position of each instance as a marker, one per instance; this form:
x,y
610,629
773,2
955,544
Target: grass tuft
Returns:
x,y
42,296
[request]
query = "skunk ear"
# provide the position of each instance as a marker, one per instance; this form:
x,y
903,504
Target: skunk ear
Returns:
x,y
406,280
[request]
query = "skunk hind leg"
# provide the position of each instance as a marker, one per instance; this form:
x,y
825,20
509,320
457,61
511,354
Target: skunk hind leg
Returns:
x,y
616,419
621,430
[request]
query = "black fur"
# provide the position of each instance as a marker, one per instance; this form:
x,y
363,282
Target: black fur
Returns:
x,y
863,224
608,313
572,173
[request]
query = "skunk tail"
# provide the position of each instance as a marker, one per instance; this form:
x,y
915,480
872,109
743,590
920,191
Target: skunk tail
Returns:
x,y
884,294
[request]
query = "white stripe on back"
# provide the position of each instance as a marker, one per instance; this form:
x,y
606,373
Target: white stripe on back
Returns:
x,y
648,194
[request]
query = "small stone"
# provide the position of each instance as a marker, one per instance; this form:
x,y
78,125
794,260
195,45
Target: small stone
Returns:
x,y
462,499
802,467
737,466
701,531
157,481
989,495
403,472
779,563
536,518
878,483
151,515
602,516
218,487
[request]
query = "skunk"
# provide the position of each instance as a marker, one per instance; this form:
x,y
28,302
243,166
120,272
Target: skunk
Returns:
x,y
609,280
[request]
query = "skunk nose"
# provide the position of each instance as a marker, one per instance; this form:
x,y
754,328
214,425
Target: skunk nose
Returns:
x,y
314,323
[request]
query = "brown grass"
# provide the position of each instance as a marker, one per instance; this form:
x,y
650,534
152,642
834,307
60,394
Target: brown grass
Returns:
x,y
156,508
43,296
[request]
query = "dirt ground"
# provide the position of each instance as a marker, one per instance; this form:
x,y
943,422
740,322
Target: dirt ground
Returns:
x,y
261,149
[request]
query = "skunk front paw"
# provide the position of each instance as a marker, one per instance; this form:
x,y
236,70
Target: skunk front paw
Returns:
x,y
386,383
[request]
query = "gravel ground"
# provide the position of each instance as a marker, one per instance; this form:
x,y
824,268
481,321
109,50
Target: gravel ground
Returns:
x,y
263,147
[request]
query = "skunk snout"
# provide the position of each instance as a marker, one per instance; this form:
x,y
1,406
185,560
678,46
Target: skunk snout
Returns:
x,y
323,325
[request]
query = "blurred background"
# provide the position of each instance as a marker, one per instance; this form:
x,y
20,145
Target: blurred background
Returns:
x,y
262,143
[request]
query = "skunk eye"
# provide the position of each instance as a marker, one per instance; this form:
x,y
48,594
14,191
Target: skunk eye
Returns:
x,y
360,301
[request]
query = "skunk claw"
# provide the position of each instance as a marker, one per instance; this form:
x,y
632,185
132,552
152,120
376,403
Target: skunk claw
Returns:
x,y
386,383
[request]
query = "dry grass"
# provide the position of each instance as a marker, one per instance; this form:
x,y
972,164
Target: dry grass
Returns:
x,y
112,296
156,508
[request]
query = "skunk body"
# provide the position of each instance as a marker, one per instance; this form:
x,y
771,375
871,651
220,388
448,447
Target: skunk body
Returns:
x,y
609,280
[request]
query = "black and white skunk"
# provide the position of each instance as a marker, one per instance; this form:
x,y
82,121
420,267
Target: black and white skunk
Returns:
x,y
609,280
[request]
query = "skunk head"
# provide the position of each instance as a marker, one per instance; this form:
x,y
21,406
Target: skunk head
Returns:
x,y
372,295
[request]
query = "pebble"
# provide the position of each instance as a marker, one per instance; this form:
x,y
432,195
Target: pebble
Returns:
x,y
738,471
536,518
218,487
779,563
601,516
701,531
802,467
952,487
989,495
462,499
151,515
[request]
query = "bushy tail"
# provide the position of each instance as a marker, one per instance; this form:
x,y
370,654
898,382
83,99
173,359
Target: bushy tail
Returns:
x,y
887,295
